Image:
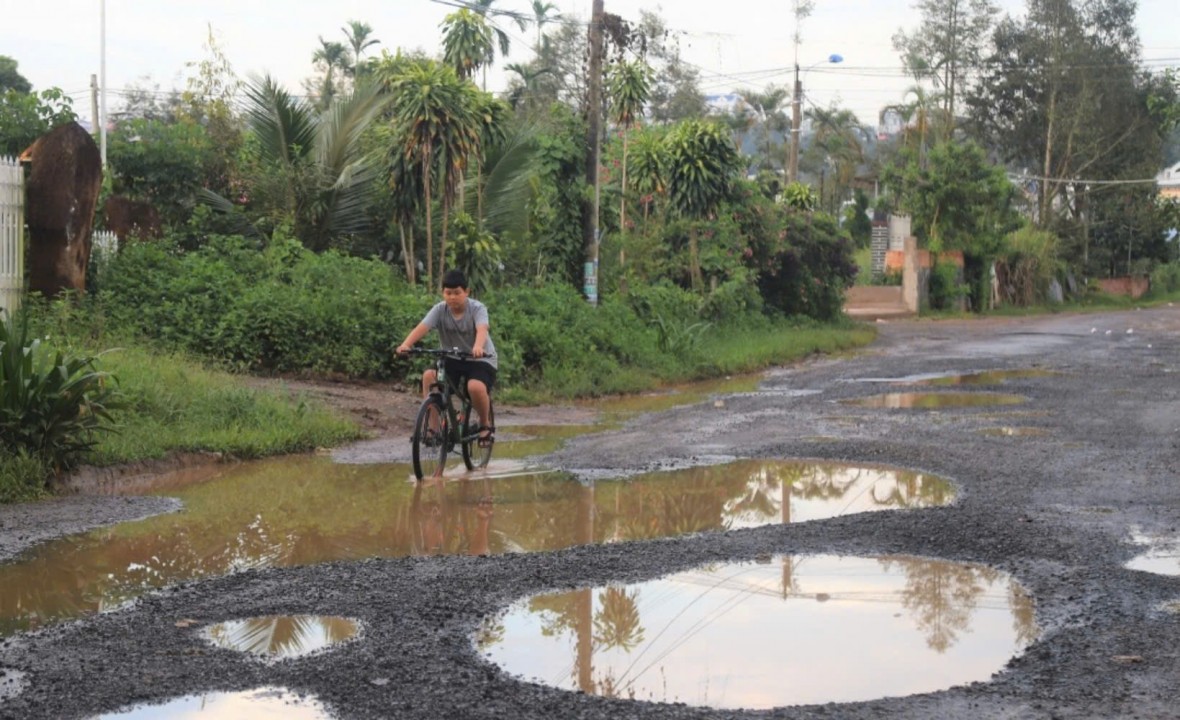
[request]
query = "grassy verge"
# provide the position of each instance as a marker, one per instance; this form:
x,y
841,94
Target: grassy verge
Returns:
x,y
174,404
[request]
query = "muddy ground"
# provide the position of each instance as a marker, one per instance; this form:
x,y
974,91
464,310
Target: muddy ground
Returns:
x,y
1055,510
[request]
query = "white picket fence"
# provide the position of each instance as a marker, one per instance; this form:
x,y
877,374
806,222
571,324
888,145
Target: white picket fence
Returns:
x,y
12,225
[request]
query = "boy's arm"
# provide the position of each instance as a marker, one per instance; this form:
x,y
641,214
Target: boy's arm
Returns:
x,y
415,335
481,337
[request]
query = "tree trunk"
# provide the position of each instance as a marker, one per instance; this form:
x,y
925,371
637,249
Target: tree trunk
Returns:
x,y
429,221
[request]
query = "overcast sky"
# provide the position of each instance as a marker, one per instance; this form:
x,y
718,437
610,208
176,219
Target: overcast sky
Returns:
x,y
734,43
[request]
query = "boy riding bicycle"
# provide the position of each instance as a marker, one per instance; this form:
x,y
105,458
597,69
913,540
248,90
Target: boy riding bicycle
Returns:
x,y
462,322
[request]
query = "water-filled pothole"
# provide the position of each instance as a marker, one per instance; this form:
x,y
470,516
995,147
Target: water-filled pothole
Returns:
x,y
305,510
1011,431
935,400
983,377
266,702
792,630
1162,556
281,637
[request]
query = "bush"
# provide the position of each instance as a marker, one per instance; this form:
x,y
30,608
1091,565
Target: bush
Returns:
x,y
22,477
807,268
52,405
1165,279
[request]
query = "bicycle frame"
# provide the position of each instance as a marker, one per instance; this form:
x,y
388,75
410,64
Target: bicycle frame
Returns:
x,y
459,429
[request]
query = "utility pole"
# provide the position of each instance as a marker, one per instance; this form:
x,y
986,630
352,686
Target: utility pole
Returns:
x,y
102,121
94,101
593,142
796,120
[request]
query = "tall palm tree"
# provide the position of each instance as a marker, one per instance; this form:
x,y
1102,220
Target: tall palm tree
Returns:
x,y
838,136
649,168
541,15
702,162
771,104
432,108
331,55
358,37
484,8
628,88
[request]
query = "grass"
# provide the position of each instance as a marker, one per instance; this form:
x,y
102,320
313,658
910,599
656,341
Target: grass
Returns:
x,y
175,404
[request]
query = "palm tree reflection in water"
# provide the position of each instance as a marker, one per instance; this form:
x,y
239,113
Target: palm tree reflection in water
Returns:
x,y
278,637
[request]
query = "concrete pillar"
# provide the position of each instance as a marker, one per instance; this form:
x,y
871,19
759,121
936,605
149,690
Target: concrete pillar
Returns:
x,y
909,274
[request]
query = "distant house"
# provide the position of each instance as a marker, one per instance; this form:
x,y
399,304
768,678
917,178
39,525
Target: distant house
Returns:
x,y
1169,182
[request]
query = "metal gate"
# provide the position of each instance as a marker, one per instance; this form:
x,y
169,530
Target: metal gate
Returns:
x,y
12,224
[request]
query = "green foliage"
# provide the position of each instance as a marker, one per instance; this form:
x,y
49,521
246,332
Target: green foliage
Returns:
x,y
856,221
163,163
24,117
1028,264
806,268
10,77
52,404
1165,279
944,289
22,476
800,196
473,250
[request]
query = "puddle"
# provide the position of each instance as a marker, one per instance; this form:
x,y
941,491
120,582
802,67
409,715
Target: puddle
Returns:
x,y
935,400
1162,556
984,377
268,703
1008,431
12,682
307,509
791,631
281,637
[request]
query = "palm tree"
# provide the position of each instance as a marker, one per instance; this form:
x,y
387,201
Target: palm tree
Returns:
x,y
330,55
702,162
838,137
432,108
358,37
483,8
771,104
649,168
321,176
628,87
520,96
541,16
467,42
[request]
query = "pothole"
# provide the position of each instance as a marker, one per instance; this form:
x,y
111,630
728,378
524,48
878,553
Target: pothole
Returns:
x,y
983,377
281,637
935,400
265,702
300,511
1162,556
788,630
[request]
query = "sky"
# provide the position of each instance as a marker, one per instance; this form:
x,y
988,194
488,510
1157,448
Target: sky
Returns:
x,y
734,45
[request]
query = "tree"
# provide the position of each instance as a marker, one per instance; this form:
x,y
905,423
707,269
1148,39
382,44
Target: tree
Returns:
x,y
164,163
959,201
10,79
467,42
838,142
484,8
305,168
328,58
947,45
543,12
628,88
770,105
702,163
358,39
676,93
24,117
1063,101
432,108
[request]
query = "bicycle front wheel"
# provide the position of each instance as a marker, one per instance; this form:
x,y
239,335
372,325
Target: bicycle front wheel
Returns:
x,y
430,439
476,455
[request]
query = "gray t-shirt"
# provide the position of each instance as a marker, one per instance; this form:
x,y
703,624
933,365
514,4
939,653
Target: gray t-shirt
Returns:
x,y
460,333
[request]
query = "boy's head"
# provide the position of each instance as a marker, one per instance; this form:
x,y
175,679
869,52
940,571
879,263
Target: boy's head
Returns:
x,y
455,289
454,279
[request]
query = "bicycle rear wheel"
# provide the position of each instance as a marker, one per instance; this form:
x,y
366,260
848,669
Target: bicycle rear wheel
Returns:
x,y
474,455
429,441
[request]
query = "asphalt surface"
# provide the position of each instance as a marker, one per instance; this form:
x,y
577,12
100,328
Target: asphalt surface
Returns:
x,y
1056,511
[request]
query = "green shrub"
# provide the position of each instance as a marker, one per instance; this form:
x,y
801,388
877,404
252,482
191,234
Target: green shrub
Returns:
x,y
944,289
22,476
807,268
1165,279
52,405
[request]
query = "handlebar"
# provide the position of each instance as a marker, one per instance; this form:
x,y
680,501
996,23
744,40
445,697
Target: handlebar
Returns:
x,y
455,353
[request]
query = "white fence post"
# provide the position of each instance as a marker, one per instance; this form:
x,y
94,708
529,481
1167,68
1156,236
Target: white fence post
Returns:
x,y
12,226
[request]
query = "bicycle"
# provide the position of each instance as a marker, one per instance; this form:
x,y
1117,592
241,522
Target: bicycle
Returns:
x,y
446,419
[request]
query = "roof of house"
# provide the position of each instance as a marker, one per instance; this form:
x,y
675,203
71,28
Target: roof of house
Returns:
x,y
1169,176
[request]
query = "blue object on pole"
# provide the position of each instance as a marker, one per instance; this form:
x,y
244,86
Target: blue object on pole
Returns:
x,y
835,58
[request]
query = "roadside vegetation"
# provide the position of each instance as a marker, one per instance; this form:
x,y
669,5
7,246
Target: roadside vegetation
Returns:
x,y
303,234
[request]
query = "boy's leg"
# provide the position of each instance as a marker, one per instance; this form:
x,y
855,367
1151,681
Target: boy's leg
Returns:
x,y
478,392
428,378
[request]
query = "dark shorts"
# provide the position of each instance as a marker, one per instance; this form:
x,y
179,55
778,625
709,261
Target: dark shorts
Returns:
x,y
472,370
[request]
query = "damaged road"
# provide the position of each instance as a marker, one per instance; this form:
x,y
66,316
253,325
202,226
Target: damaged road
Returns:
x,y
1056,510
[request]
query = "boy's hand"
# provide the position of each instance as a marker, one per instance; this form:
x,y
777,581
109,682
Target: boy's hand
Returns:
x,y
402,350
477,352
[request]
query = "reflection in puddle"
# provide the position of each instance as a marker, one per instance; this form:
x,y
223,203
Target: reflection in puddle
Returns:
x,y
279,637
305,510
792,631
1009,431
931,400
1162,556
985,377
267,703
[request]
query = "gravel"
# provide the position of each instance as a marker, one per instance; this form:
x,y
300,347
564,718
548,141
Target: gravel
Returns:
x,y
1055,510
